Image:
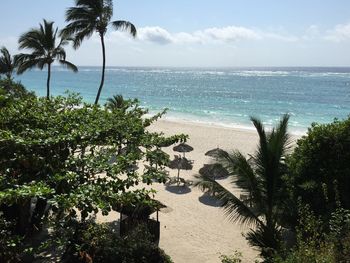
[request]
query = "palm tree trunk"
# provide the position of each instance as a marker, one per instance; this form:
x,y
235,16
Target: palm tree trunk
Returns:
x,y
103,69
48,81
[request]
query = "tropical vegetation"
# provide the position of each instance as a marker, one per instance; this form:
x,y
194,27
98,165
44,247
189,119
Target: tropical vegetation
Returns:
x,y
64,161
320,167
46,47
8,63
118,102
93,16
261,178
53,154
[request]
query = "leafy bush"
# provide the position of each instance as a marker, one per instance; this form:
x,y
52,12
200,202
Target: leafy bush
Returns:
x,y
314,244
9,243
101,243
13,89
320,166
235,258
53,153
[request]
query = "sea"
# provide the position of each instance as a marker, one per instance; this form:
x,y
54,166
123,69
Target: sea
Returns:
x,y
216,96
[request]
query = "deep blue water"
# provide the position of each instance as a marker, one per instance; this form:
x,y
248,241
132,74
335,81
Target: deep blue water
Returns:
x,y
221,96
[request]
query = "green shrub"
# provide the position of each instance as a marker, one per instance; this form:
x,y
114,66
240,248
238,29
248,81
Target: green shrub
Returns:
x,y
101,243
320,167
10,88
236,257
315,244
54,151
9,244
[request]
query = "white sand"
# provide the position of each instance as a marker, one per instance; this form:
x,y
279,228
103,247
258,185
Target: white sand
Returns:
x,y
196,230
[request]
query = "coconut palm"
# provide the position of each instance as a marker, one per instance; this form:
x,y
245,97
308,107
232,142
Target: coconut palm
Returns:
x,y
117,102
46,47
88,17
260,178
8,63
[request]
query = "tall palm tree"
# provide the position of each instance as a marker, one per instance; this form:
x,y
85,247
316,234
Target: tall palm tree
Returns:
x,y
42,42
88,17
8,63
260,178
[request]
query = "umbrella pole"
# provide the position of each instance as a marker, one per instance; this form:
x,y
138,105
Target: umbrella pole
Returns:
x,y
178,176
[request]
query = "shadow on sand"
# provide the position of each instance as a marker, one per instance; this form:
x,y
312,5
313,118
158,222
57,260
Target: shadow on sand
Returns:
x,y
178,189
209,200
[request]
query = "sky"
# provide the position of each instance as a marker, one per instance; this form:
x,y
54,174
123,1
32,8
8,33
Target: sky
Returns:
x,y
202,33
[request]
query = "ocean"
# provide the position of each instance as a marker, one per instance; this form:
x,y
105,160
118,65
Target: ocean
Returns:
x,y
218,96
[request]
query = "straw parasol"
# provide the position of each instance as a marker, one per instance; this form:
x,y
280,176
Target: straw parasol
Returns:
x,y
215,153
215,171
180,163
183,148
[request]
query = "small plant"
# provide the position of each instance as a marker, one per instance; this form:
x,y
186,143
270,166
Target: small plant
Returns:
x,y
236,257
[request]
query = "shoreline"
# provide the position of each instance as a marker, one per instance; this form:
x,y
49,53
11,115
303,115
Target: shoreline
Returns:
x,y
221,125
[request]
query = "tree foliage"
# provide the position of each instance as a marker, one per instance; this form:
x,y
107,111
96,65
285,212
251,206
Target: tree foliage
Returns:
x,y
101,243
11,90
314,243
320,167
63,160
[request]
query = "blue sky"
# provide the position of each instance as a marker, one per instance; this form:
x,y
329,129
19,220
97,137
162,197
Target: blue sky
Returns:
x,y
204,33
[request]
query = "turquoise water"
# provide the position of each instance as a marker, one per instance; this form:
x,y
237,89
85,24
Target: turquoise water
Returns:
x,y
218,96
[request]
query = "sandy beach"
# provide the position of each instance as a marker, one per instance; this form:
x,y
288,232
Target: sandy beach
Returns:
x,y
195,229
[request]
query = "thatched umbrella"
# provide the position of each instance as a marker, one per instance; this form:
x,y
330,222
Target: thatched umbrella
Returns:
x,y
214,171
215,153
180,163
183,148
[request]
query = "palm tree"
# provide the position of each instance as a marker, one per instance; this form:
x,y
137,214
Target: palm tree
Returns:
x,y
260,178
117,102
42,42
8,63
88,17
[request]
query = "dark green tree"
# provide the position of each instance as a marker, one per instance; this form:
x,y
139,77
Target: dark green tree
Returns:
x,y
8,63
320,165
88,17
46,47
260,178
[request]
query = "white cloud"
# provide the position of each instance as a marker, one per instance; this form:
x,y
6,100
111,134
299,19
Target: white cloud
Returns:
x,y
339,33
228,34
155,34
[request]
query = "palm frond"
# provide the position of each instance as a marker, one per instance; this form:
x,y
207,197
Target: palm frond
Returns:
x,y
233,207
125,26
245,177
266,239
116,102
68,65
28,62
